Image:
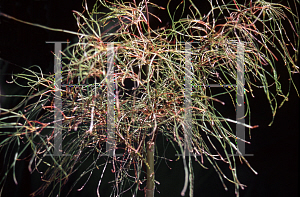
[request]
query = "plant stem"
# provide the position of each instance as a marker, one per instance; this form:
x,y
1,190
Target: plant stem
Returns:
x,y
149,190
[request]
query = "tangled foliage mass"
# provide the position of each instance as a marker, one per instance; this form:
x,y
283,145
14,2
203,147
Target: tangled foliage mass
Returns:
x,y
155,62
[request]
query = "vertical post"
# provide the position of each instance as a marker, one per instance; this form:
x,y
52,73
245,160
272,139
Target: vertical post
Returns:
x,y
57,100
110,145
240,108
188,100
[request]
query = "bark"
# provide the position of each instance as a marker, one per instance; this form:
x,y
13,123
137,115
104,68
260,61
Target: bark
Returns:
x,y
149,190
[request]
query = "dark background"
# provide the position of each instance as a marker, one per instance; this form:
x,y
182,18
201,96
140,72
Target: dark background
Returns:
x,y
275,147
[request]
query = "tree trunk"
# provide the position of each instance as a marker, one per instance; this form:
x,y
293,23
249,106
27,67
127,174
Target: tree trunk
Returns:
x,y
149,190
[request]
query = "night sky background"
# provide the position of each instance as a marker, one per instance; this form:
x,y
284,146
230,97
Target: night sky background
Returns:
x,y
275,147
